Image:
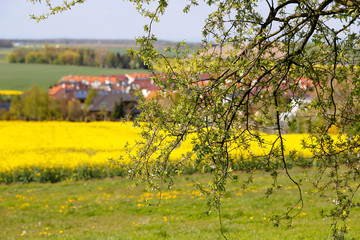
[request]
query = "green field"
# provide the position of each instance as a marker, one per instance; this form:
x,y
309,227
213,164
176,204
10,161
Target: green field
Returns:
x,y
108,209
22,76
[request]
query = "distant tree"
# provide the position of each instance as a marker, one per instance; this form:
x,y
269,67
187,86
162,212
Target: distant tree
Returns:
x,y
89,57
31,57
69,57
89,98
80,60
132,111
50,54
134,63
6,115
12,57
17,107
103,112
6,44
55,112
17,56
125,61
74,110
111,60
100,56
21,55
118,110
118,61
63,105
35,103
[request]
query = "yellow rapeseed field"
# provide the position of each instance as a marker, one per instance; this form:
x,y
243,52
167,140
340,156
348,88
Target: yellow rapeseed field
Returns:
x,y
10,92
60,146
65,144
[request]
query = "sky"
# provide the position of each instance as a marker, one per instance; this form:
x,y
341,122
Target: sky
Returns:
x,y
99,19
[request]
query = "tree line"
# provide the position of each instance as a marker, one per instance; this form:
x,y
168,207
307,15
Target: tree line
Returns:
x,y
6,43
36,105
100,57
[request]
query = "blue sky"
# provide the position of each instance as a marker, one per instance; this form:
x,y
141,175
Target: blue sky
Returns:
x,y
99,19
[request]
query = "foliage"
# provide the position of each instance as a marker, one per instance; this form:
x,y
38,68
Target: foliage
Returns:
x,y
89,97
238,82
35,104
118,110
5,43
100,57
74,110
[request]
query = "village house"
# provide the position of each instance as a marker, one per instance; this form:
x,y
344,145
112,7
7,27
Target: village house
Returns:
x,y
109,91
142,82
72,87
103,105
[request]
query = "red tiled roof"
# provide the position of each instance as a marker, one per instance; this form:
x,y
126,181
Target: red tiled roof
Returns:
x,y
146,84
90,79
119,77
55,89
305,83
157,94
140,76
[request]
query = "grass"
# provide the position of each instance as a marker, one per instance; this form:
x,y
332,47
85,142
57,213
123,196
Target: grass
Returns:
x,y
108,209
22,76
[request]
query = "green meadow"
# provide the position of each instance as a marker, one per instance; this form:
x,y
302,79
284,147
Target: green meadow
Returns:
x,y
22,76
109,209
